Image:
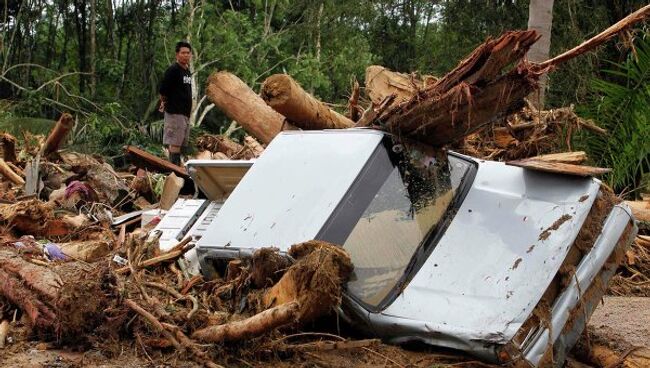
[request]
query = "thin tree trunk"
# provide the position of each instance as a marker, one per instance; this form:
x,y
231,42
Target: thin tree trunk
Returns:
x,y
93,46
110,28
540,19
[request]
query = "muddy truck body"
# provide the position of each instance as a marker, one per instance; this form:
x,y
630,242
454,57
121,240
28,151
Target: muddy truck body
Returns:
x,y
501,262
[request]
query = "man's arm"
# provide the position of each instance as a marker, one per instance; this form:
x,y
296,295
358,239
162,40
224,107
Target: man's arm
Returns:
x,y
165,87
163,101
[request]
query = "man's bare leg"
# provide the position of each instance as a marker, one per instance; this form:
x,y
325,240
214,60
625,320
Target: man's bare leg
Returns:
x,y
175,155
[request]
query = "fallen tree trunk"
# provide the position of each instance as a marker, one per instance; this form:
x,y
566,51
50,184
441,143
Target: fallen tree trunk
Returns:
x,y
60,302
470,96
254,326
9,174
285,96
241,104
463,110
58,133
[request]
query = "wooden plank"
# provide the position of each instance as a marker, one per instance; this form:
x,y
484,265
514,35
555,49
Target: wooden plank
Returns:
x,y
575,158
559,168
146,160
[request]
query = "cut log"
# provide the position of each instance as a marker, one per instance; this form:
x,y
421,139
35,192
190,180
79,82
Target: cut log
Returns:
x,y
640,210
8,144
241,104
59,302
58,133
559,168
382,82
314,281
9,174
575,158
285,96
249,328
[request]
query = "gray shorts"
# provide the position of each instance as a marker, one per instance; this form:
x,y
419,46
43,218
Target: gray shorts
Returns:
x,y
177,130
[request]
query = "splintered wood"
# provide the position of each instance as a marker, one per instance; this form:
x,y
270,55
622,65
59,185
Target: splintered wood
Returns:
x,y
478,91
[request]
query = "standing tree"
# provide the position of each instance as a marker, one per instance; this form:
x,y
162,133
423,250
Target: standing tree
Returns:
x,y
540,19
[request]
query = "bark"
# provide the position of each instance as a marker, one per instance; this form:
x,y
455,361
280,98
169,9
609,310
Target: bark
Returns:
x,y
8,144
61,301
540,19
58,133
9,174
285,96
463,110
559,168
240,103
249,328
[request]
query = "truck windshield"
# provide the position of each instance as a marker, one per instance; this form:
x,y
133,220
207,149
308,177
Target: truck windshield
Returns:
x,y
397,202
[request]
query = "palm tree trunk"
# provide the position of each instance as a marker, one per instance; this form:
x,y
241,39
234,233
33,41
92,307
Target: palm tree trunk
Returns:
x,y
540,19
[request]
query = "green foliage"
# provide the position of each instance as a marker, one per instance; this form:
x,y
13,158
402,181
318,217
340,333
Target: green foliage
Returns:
x,y
621,105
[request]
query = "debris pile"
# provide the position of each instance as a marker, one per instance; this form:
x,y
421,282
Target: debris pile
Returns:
x,y
75,267
529,133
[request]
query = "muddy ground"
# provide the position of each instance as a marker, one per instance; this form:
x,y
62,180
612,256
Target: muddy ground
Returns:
x,y
622,322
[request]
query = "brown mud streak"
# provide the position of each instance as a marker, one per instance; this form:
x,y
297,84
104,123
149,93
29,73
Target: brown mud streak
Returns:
x,y
556,225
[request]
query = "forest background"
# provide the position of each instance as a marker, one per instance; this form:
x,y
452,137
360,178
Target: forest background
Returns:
x,y
102,60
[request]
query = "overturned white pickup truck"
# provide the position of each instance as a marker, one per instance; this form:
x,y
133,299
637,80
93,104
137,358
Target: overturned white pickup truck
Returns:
x,y
498,261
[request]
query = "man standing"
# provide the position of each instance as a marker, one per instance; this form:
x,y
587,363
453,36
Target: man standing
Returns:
x,y
176,102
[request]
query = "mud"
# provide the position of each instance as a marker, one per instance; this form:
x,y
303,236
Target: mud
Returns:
x,y
556,225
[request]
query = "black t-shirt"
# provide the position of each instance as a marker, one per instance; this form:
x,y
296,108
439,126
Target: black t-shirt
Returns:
x,y
177,87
